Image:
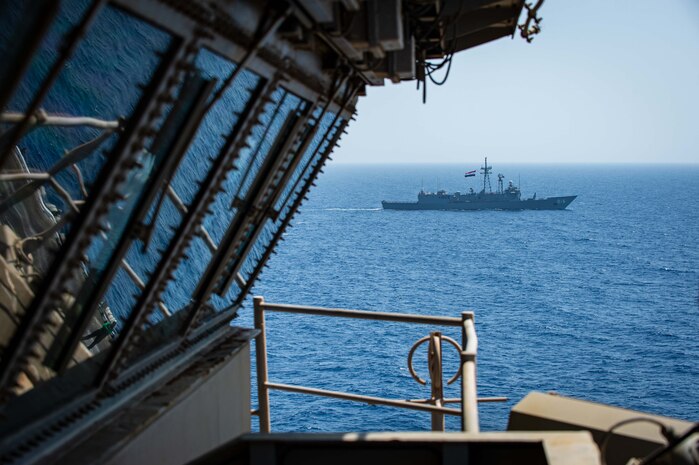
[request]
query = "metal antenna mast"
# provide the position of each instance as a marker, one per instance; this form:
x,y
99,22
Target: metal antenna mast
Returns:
x,y
485,171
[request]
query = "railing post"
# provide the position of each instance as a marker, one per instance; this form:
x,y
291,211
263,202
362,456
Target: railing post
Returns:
x,y
462,367
434,362
261,360
469,396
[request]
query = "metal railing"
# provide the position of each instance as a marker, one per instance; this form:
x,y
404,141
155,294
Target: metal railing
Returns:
x,y
435,405
41,118
71,159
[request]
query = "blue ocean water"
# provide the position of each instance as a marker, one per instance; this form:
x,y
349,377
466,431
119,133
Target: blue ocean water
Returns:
x,y
598,302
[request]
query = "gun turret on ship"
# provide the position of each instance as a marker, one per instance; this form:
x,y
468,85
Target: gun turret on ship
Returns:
x,y
505,198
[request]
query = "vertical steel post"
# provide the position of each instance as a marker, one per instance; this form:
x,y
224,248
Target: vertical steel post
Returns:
x,y
469,397
462,361
261,360
434,362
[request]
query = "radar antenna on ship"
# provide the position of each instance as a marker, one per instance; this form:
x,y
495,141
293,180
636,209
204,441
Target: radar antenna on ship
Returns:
x,y
485,171
501,189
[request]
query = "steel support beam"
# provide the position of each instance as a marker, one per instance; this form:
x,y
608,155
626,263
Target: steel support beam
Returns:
x,y
191,221
69,258
350,94
246,213
168,148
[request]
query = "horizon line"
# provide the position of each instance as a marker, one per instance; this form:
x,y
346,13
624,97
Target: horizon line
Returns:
x,y
623,163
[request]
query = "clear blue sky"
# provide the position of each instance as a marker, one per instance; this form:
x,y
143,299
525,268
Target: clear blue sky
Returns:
x,y
605,82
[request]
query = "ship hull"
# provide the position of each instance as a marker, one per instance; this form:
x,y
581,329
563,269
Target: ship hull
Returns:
x,y
550,203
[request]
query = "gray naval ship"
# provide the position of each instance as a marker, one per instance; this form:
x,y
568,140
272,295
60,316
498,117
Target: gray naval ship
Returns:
x,y
505,198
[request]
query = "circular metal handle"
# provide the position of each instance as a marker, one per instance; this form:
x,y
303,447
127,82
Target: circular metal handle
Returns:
x,y
417,344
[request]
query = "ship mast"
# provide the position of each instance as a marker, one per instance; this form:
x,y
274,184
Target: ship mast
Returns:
x,y
485,171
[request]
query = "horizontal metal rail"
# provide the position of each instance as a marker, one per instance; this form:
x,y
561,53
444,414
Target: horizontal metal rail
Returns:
x,y
365,315
41,118
469,400
203,233
141,285
371,400
24,176
456,400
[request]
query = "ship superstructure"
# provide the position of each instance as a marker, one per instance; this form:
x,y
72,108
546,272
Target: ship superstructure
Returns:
x,y
153,154
505,198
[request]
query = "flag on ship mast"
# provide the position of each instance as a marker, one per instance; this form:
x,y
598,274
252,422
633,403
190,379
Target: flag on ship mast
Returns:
x,y
470,173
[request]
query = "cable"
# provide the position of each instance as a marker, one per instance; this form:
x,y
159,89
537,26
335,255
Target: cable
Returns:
x,y
446,75
670,445
666,431
430,68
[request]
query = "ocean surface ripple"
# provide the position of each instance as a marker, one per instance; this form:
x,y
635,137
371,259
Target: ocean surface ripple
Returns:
x,y
598,302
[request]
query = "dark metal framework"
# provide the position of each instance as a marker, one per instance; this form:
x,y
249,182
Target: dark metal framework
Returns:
x,y
190,29
307,178
68,260
313,51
